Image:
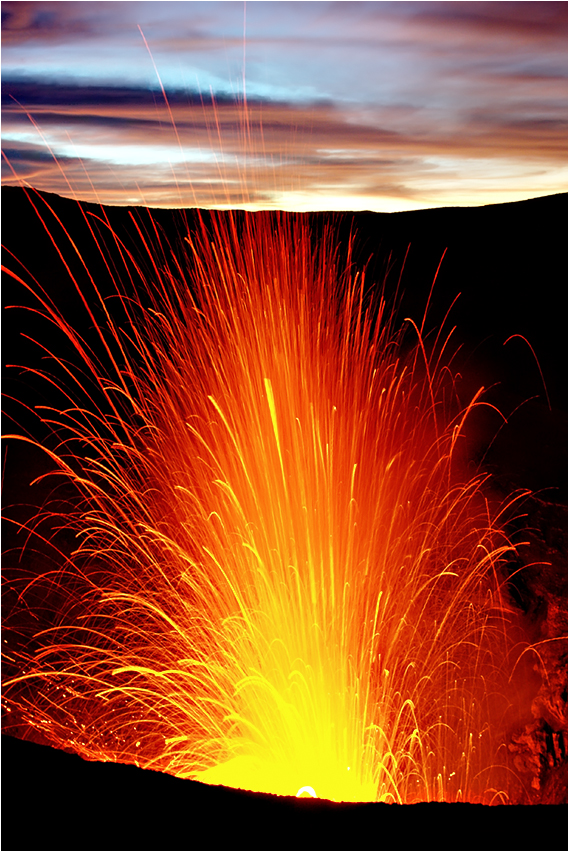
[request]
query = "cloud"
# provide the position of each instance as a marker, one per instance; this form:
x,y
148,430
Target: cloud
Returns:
x,y
118,142
125,115
47,21
366,100
529,21
38,93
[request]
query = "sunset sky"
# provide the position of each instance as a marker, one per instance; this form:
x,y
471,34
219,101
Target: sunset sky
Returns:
x,y
349,105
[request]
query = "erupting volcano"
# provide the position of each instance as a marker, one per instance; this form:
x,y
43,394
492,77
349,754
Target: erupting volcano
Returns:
x,y
284,492
285,576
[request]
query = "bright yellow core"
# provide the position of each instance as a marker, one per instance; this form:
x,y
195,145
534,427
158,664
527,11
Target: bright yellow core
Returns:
x,y
336,784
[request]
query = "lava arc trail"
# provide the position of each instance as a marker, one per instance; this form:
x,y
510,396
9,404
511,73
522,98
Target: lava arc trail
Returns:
x,y
284,576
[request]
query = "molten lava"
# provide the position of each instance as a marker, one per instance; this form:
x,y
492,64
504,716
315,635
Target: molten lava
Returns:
x,y
283,572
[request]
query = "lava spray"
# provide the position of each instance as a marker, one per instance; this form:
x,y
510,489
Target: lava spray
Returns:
x,y
284,576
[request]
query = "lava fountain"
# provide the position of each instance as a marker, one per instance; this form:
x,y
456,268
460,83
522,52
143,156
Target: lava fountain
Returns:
x,y
284,578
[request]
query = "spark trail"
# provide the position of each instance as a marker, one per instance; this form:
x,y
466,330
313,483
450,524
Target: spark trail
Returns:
x,y
284,578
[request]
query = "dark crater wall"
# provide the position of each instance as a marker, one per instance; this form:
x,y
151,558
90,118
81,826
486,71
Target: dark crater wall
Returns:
x,y
54,800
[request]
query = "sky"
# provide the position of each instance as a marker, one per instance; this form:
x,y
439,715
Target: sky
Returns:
x,y
380,106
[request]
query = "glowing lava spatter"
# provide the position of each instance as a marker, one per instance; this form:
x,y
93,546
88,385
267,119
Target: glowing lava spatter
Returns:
x,y
283,576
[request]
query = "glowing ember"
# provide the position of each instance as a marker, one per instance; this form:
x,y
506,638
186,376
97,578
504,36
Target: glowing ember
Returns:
x,y
283,572
306,792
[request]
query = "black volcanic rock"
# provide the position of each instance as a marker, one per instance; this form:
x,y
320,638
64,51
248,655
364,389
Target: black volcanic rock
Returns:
x,y
56,801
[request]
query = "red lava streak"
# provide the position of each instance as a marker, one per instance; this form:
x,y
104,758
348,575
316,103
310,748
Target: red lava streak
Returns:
x,y
284,578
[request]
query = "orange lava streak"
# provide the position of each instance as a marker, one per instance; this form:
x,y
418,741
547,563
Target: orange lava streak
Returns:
x,y
284,577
